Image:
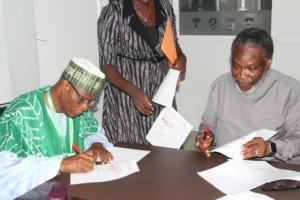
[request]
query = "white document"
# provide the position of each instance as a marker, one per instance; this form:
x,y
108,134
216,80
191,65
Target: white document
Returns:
x,y
170,129
124,164
120,154
102,173
246,196
236,176
226,179
261,172
233,149
166,91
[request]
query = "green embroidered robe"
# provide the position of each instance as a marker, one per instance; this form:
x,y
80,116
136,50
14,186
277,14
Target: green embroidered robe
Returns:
x,y
27,129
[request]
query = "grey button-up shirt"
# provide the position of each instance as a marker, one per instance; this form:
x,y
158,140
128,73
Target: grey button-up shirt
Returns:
x,y
274,104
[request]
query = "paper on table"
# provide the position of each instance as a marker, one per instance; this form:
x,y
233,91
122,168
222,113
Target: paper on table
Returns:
x,y
170,129
233,149
124,159
166,91
120,153
260,172
224,177
246,196
244,175
102,173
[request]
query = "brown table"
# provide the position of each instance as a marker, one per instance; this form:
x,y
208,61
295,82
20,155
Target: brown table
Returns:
x,y
166,174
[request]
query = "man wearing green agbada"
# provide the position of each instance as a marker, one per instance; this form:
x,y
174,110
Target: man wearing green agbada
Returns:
x,y
38,129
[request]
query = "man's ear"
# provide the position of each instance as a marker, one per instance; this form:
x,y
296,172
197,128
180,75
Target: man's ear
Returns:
x,y
268,63
65,85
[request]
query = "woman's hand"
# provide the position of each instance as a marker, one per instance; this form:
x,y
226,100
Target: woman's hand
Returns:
x,y
180,63
141,101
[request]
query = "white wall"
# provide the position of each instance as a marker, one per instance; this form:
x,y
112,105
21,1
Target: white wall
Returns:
x,y
286,35
65,29
5,87
19,63
207,58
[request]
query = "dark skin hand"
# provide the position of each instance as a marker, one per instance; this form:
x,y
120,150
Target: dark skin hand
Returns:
x,y
180,62
79,163
98,150
139,98
141,101
204,145
255,148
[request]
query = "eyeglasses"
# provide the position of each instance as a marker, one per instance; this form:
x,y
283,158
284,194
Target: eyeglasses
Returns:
x,y
82,99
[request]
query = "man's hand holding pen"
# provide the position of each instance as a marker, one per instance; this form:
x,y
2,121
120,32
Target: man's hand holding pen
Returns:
x,y
79,163
204,141
83,162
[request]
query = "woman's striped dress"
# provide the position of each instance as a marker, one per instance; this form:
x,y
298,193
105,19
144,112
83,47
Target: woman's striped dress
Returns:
x,y
125,43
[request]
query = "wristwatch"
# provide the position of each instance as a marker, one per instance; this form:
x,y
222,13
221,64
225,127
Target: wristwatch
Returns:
x,y
272,147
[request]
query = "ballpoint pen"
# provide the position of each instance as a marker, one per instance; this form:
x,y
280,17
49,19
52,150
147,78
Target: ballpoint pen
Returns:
x,y
206,130
76,148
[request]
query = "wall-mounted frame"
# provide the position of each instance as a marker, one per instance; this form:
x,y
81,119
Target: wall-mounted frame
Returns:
x,y
223,17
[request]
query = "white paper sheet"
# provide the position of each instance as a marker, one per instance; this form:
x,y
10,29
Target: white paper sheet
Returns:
x,y
120,153
233,149
102,173
166,91
246,196
236,176
170,129
260,172
124,164
226,179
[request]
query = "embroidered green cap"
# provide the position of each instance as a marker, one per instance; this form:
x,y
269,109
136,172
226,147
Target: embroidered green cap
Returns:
x,y
84,75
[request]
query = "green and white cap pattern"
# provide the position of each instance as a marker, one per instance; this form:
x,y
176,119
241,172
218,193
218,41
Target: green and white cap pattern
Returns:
x,y
84,75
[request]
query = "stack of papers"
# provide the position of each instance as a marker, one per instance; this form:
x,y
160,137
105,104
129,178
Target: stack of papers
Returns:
x,y
124,164
244,175
102,173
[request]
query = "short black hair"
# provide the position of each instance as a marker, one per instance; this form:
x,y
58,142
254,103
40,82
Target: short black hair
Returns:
x,y
255,37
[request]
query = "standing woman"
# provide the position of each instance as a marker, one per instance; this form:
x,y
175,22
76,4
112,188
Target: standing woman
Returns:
x,y
130,34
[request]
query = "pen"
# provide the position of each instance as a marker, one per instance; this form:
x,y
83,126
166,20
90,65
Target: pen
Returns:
x,y
206,129
76,148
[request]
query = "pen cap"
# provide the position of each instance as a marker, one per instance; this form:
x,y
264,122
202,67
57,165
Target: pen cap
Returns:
x,y
58,192
206,129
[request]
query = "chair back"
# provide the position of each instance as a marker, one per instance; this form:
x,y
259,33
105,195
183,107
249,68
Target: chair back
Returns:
x,y
3,107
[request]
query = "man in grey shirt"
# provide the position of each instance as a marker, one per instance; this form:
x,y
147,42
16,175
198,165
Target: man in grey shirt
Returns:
x,y
253,97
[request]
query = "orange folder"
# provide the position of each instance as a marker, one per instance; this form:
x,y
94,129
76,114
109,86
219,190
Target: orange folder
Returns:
x,y
168,45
